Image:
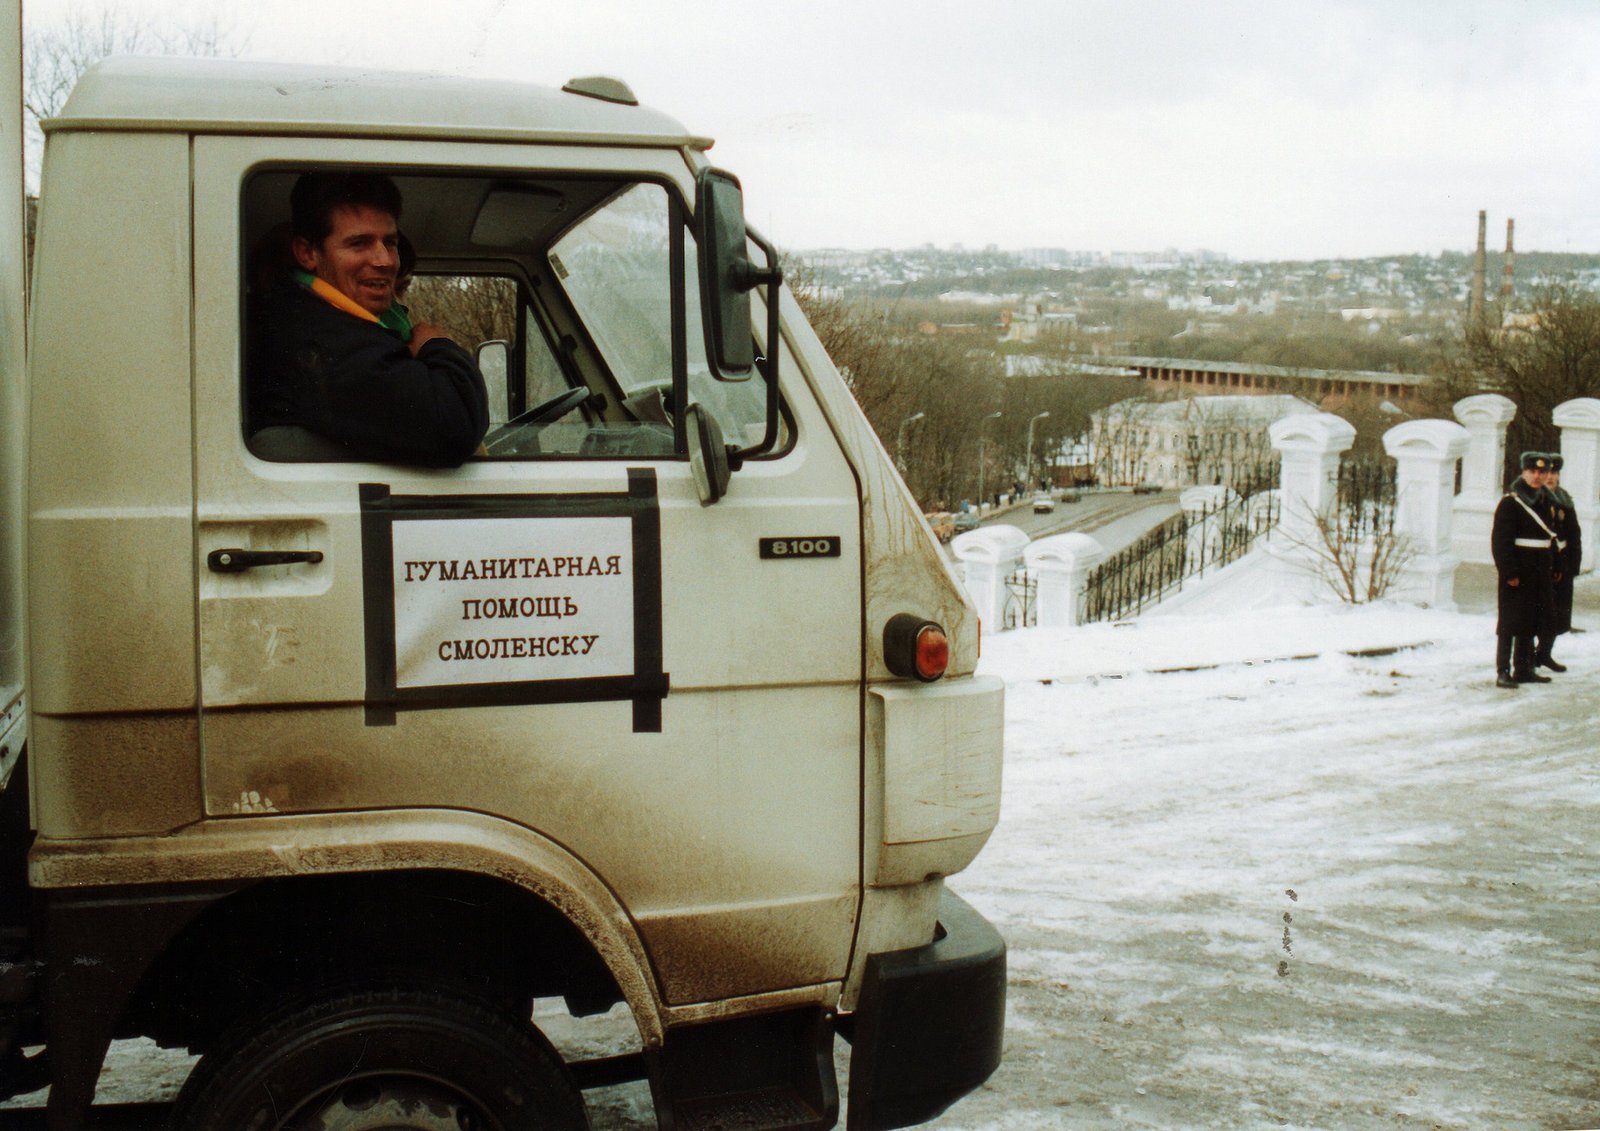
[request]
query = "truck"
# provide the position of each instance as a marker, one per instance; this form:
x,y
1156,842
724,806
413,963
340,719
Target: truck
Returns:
x,y
327,770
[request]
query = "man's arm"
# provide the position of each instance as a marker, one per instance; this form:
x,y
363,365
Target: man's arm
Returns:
x,y
422,333
1503,534
371,392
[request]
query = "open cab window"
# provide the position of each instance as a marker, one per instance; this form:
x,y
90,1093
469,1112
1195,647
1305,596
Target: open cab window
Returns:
x,y
573,294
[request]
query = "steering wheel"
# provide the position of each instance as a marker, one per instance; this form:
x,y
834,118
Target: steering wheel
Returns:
x,y
553,409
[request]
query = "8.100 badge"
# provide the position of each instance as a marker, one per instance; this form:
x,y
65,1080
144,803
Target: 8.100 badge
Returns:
x,y
820,546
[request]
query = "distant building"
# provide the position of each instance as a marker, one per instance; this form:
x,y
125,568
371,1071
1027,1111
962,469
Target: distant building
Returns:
x,y
1031,321
1213,377
932,329
1037,365
1187,442
975,298
1371,313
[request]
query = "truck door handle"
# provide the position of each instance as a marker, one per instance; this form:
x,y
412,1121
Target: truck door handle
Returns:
x,y
237,561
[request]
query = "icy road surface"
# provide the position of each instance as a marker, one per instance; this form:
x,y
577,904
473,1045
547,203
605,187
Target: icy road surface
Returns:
x,y
1339,892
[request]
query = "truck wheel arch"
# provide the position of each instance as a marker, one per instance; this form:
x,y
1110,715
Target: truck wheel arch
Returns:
x,y
246,869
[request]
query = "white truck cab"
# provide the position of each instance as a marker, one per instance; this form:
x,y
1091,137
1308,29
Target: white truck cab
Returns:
x,y
332,767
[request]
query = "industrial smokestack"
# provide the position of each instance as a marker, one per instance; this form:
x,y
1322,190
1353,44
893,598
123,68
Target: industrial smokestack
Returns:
x,y
1505,286
1475,312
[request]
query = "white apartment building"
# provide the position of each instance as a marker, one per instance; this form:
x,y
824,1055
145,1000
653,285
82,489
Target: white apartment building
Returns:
x,y
1186,442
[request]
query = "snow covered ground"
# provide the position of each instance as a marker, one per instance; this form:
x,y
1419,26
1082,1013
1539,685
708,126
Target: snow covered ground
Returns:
x,y
1339,892
1245,890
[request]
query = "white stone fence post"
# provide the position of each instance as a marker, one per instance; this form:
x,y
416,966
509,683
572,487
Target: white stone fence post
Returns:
x,y
988,555
1309,446
1485,418
1579,421
1061,564
1425,453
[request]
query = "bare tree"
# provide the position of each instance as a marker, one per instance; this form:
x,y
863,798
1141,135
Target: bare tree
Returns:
x,y
1548,355
1117,442
895,371
472,309
1359,560
870,353
55,54
1071,394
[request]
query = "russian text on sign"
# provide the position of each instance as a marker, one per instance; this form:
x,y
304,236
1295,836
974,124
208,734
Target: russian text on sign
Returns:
x,y
503,569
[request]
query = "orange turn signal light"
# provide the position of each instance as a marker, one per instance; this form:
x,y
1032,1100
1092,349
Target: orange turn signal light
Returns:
x,y
915,648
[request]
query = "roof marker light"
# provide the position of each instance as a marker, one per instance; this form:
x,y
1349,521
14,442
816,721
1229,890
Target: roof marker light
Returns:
x,y
603,87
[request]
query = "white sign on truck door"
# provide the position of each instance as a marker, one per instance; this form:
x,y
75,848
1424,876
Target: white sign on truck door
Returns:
x,y
513,599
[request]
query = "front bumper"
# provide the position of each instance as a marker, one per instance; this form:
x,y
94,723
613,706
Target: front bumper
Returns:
x,y
929,1023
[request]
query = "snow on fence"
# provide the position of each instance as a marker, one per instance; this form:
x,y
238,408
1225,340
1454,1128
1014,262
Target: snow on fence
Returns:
x,y
1437,497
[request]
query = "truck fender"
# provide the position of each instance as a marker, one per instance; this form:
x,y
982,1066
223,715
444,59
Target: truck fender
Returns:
x,y
229,850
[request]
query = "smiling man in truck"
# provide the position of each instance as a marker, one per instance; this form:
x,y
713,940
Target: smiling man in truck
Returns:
x,y
332,356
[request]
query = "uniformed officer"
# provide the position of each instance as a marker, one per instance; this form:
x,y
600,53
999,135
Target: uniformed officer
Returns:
x,y
1568,557
1523,543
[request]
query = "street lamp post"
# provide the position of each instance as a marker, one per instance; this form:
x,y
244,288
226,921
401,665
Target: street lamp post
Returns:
x,y
981,423
1028,467
900,441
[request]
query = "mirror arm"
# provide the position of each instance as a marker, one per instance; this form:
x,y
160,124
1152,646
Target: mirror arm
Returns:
x,y
747,276
680,329
771,276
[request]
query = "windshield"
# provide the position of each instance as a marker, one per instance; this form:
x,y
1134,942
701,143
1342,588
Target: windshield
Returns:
x,y
615,266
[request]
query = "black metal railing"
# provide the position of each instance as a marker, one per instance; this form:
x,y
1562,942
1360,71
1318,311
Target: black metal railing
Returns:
x,y
1366,497
1137,576
1022,600
1187,545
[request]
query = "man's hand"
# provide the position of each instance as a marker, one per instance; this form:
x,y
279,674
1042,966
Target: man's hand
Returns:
x,y
423,333
1512,581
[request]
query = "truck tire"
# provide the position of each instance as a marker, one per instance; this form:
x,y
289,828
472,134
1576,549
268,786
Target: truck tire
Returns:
x,y
389,1059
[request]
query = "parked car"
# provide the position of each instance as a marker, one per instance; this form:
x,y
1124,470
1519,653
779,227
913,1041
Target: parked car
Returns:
x,y
1044,502
1147,489
1069,496
965,520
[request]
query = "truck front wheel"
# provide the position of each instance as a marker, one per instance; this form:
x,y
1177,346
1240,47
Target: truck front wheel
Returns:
x,y
390,1059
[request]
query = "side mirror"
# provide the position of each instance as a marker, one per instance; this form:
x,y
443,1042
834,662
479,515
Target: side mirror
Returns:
x,y
708,455
727,274
494,360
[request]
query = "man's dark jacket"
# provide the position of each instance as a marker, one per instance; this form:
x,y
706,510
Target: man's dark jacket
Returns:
x,y
1523,607
356,383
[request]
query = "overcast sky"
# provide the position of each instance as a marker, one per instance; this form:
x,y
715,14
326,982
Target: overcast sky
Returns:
x,y
1257,129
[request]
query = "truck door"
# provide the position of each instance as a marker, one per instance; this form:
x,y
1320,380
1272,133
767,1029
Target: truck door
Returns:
x,y
556,635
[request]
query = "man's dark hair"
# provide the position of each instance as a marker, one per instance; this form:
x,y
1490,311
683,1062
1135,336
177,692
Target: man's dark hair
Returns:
x,y
316,195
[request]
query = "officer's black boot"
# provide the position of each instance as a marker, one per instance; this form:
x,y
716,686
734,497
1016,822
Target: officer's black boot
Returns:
x,y
1502,663
1522,669
1542,657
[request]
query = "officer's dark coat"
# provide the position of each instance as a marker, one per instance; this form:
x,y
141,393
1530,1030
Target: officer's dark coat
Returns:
x,y
1525,606
1567,560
